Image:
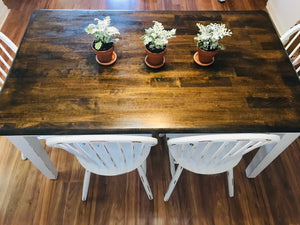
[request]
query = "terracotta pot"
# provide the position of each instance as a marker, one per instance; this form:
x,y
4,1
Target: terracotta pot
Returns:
x,y
155,59
206,57
104,56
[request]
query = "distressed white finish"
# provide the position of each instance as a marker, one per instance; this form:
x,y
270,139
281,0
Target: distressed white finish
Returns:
x,y
6,58
34,151
212,154
266,154
108,155
292,45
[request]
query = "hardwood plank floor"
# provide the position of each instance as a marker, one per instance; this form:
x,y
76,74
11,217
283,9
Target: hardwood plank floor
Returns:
x,y
27,197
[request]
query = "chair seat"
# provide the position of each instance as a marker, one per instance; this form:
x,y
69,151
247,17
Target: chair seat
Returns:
x,y
209,168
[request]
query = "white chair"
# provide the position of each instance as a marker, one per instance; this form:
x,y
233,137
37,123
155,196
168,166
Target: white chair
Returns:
x,y
7,52
108,155
290,40
212,154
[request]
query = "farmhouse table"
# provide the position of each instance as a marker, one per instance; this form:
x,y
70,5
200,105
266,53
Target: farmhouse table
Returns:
x,y
56,87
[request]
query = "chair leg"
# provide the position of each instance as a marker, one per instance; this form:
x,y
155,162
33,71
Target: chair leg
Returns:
x,y
172,164
230,182
23,156
86,183
144,167
145,182
173,182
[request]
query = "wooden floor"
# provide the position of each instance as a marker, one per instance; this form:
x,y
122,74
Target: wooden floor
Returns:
x,y
27,197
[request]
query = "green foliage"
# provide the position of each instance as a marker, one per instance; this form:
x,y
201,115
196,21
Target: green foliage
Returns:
x,y
209,36
103,33
156,37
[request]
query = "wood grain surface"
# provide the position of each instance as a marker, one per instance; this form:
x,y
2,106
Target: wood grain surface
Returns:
x,y
56,86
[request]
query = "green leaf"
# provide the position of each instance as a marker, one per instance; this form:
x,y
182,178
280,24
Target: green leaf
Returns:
x,y
222,47
98,45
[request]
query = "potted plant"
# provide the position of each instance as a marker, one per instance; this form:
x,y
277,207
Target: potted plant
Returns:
x,y
208,42
155,41
104,38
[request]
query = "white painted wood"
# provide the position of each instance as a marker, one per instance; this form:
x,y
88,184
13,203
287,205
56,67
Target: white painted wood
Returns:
x,y
172,164
23,156
268,153
145,182
173,182
86,184
230,182
213,154
6,45
144,166
31,147
292,45
108,155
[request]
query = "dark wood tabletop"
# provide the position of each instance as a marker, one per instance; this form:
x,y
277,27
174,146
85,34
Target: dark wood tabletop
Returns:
x,y
56,86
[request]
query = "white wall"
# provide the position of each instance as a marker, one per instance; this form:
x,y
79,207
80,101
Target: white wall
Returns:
x,y
3,13
284,13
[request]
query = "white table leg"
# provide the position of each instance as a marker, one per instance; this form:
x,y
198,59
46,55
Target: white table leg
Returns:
x,y
31,147
267,154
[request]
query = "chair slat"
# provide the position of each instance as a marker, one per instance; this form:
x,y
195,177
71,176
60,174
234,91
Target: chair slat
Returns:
x,y
4,62
292,40
290,43
245,147
205,149
6,52
101,161
110,155
217,152
294,51
237,145
122,153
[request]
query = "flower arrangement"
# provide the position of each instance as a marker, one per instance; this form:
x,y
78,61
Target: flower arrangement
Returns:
x,y
156,37
209,36
104,35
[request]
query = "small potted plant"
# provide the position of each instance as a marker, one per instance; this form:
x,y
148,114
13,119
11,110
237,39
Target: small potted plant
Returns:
x,y
155,41
104,38
208,42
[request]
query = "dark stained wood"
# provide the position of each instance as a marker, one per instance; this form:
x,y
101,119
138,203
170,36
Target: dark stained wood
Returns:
x,y
28,197
56,86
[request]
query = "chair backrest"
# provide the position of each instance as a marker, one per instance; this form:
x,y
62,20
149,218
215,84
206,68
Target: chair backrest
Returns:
x,y
212,154
291,42
106,154
7,53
